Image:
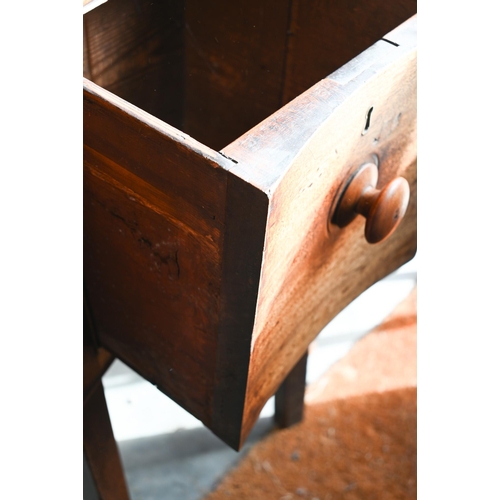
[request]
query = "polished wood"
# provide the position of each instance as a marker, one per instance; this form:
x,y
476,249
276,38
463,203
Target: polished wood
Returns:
x,y
301,156
383,208
100,450
289,398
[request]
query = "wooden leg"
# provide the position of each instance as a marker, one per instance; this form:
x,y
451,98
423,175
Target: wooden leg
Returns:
x,y
289,400
100,450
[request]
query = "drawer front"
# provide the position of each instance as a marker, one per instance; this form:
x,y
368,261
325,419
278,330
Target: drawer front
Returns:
x,y
210,273
302,156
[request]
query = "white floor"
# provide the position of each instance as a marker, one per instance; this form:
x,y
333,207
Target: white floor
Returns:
x,y
137,409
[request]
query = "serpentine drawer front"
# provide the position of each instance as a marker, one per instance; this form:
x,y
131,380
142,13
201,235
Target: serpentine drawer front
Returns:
x,y
210,272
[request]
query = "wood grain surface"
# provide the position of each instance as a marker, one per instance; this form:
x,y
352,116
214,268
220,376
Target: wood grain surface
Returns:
x,y
152,249
301,156
172,255
234,66
244,60
215,69
324,35
134,48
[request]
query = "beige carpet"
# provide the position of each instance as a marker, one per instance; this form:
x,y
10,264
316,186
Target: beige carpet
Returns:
x,y
358,439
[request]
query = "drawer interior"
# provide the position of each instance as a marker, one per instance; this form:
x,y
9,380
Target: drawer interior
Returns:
x,y
216,69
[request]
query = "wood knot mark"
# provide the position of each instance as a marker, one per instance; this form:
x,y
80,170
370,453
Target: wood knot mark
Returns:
x,y
164,261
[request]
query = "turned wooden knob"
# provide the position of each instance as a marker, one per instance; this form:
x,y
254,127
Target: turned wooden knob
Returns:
x,y
383,208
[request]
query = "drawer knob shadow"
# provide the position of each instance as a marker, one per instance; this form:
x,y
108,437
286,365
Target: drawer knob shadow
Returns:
x,y
383,208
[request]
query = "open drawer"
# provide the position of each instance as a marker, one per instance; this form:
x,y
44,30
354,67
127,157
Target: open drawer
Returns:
x,y
212,260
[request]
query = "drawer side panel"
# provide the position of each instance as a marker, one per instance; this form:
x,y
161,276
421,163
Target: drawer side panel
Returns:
x,y
154,210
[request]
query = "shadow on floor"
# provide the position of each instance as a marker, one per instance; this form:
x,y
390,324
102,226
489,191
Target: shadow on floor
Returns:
x,y
182,465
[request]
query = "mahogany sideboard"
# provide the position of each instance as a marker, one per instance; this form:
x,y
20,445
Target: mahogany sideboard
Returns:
x,y
220,140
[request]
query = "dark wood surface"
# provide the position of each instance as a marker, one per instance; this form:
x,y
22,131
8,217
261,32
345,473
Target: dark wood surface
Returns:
x,y
215,69
324,35
245,226
289,398
135,49
234,67
152,249
244,60
172,254
100,450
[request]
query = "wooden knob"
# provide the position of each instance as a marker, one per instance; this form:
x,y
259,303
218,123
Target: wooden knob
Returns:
x,y
383,208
